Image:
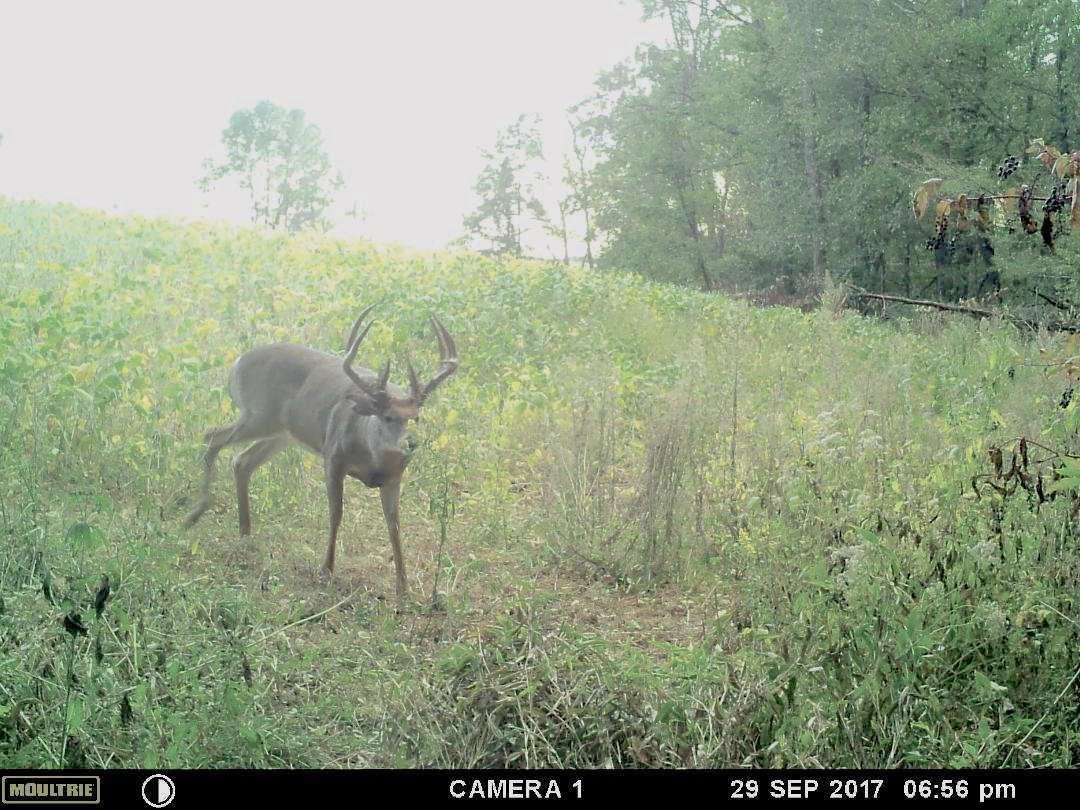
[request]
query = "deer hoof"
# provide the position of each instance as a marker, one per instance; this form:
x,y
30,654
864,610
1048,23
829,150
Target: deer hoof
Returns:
x,y
193,516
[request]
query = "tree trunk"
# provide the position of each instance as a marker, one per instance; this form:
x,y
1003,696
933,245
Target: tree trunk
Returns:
x,y
1059,71
565,238
907,269
581,193
809,141
694,230
813,181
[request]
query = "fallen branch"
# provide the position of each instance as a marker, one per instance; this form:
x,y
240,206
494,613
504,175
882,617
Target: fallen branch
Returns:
x,y
1065,307
975,312
919,302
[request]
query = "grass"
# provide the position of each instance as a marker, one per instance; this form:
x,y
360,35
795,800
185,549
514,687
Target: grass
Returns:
x,y
646,527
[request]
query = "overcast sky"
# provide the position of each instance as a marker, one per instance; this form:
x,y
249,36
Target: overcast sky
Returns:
x,y
115,105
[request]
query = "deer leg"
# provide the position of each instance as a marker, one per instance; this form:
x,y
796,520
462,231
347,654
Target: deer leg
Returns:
x,y
244,465
215,440
244,429
335,491
390,493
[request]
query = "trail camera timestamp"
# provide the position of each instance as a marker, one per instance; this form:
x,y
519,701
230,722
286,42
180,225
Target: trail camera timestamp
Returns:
x,y
907,787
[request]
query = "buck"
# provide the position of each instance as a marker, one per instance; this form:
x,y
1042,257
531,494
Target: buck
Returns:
x,y
354,418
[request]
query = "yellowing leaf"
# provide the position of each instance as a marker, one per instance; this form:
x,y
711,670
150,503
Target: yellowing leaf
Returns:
x,y
923,195
941,215
205,328
82,373
961,207
1073,169
1048,156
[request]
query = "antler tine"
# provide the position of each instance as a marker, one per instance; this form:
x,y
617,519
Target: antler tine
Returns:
x,y
415,387
356,326
354,343
346,364
448,341
447,355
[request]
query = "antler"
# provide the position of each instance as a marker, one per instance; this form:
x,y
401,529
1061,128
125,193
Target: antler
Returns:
x,y
378,390
356,325
448,364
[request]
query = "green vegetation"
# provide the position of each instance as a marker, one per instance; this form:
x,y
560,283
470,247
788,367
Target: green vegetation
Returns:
x,y
769,143
646,525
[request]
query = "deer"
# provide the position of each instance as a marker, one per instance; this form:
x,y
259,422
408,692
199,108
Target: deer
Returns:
x,y
354,418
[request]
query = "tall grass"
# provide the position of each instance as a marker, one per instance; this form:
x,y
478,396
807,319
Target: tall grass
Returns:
x,y
650,527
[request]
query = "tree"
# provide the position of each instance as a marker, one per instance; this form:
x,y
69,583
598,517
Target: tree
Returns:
x,y
278,158
578,178
658,193
507,189
778,140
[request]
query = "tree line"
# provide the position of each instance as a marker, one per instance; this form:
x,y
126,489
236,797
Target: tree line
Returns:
x,y
776,144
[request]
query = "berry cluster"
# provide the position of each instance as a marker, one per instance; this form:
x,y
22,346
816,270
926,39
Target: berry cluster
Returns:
x,y
1011,164
936,241
1057,200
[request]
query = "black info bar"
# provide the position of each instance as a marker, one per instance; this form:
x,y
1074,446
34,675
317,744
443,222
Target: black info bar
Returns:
x,y
189,788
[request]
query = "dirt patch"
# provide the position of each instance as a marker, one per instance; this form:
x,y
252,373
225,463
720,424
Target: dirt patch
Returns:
x,y
478,586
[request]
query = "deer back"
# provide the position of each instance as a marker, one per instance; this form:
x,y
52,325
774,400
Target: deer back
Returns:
x,y
294,389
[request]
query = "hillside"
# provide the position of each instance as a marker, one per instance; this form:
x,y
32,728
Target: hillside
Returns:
x,y
645,526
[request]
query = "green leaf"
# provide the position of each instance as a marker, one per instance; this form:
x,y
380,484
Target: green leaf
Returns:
x,y
76,715
817,575
988,687
84,536
1069,484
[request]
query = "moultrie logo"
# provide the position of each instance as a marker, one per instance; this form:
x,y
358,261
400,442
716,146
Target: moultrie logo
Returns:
x,y
42,789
